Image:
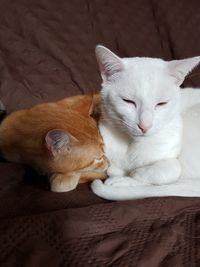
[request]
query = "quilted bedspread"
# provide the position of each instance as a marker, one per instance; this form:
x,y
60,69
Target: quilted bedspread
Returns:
x,y
47,53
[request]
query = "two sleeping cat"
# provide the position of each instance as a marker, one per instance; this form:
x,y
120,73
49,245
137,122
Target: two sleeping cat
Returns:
x,y
150,128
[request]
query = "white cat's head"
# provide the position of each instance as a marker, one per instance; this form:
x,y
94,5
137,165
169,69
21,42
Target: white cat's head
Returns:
x,y
141,95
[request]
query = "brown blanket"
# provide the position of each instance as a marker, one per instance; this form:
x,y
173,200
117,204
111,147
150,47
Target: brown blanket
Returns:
x,y
47,53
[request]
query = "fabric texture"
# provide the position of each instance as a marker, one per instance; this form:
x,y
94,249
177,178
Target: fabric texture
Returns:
x,y
47,53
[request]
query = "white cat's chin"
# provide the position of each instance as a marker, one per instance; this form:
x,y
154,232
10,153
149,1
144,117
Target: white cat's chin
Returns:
x,y
142,134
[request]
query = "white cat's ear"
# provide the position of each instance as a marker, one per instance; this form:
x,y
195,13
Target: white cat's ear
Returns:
x,y
109,63
59,142
180,68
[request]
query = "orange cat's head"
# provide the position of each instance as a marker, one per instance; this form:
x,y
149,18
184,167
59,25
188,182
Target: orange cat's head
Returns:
x,y
74,154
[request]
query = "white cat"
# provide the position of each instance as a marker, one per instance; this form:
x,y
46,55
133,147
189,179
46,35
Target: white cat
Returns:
x,y
150,127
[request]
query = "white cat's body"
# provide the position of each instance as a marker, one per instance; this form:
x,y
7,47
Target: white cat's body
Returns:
x,y
189,156
151,128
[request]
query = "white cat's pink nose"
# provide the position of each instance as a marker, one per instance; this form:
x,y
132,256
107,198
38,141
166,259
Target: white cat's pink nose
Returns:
x,y
142,128
145,120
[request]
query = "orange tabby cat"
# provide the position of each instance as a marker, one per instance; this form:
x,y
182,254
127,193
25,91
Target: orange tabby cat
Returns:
x,y
59,139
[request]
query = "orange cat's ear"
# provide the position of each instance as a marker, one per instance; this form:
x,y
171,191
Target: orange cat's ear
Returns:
x,y
84,106
59,142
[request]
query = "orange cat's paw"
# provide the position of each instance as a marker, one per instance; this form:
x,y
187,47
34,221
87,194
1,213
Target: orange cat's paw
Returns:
x,y
61,183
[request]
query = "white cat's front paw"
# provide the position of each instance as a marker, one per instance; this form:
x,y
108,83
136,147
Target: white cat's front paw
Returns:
x,y
160,173
121,181
140,175
114,171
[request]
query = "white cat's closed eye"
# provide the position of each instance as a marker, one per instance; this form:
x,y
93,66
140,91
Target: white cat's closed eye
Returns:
x,y
129,101
161,103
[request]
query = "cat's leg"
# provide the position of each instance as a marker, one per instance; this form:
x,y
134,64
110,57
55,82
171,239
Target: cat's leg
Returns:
x,y
117,177
114,171
64,182
161,172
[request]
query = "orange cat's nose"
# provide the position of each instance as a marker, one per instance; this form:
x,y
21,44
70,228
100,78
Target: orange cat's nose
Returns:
x,y
106,162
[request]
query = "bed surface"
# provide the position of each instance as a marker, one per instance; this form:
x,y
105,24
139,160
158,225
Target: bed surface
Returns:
x,y
47,53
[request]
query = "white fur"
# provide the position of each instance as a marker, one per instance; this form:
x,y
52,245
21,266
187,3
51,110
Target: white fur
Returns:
x,y
150,127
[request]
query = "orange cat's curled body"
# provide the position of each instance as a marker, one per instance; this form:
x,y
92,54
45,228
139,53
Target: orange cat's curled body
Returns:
x,y
58,139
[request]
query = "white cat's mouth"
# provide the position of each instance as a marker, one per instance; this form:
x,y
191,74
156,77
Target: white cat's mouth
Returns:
x,y
140,133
